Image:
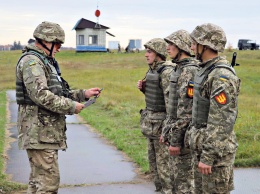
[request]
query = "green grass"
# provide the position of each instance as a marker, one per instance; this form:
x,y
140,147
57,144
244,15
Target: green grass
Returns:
x,y
116,113
248,123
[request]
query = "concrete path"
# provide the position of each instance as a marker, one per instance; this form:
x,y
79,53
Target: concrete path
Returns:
x,y
90,165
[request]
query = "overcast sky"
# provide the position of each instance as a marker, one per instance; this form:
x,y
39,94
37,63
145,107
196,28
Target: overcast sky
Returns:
x,y
130,19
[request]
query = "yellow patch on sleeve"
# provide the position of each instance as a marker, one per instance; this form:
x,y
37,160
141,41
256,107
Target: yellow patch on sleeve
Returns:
x,y
32,62
223,78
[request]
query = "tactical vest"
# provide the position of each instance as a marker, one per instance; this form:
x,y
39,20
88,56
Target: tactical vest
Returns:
x,y
174,92
54,81
154,96
201,105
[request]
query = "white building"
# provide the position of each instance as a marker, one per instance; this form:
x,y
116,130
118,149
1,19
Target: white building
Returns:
x,y
90,36
113,45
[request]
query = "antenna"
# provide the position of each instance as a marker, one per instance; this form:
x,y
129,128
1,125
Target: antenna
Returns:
x,y
97,14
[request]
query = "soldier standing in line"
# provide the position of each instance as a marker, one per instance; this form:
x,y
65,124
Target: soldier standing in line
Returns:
x,y
179,111
214,112
155,88
44,98
119,48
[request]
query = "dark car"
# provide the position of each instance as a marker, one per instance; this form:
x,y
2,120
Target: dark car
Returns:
x,y
244,44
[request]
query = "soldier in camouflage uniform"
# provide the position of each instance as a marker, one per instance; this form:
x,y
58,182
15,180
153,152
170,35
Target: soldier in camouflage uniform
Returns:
x,y
179,111
155,88
214,112
44,99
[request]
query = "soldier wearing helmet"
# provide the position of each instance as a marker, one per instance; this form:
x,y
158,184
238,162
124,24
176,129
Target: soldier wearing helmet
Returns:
x,y
155,88
44,99
179,111
211,137
49,35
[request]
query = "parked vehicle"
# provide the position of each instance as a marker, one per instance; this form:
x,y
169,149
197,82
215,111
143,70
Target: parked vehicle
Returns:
x,y
244,44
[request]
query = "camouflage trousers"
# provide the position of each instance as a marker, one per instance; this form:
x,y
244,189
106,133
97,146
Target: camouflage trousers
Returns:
x,y
158,156
182,173
220,181
44,176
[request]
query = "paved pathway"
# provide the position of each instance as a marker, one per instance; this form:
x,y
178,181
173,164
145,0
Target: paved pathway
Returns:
x,y
90,165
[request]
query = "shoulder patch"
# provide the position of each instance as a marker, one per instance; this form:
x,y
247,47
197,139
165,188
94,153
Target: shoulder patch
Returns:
x,y
221,98
223,78
32,62
190,89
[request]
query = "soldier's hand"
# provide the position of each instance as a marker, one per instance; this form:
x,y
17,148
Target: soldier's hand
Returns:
x,y
161,139
79,107
204,168
92,92
141,85
174,151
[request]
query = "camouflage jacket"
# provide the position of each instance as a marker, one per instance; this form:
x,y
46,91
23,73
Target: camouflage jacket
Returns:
x,y
179,125
217,139
151,122
42,126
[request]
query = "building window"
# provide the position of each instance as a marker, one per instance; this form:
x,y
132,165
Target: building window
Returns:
x,y
92,39
81,39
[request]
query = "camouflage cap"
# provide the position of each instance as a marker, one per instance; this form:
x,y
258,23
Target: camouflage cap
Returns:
x,y
210,35
50,32
181,39
158,45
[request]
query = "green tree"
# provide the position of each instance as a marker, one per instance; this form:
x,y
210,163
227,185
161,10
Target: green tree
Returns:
x,y
17,46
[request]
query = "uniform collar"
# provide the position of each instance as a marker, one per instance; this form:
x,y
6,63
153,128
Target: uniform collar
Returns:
x,y
205,65
156,65
34,48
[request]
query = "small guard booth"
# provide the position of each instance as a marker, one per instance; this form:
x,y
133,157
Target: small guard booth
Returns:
x,y
90,36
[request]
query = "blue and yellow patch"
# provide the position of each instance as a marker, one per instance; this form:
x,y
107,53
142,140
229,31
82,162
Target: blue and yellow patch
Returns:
x,y
223,78
32,62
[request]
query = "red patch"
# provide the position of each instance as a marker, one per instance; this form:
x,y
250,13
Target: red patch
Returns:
x,y
221,98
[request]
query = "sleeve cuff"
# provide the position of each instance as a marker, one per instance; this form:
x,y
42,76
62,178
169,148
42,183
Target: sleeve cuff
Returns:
x,y
206,160
175,143
84,96
72,110
176,140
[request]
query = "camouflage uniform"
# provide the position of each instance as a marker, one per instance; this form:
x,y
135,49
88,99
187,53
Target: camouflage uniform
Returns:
x,y
153,116
211,137
179,113
41,112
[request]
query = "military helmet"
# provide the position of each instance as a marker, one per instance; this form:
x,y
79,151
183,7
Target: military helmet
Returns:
x,y
50,32
158,45
210,35
181,39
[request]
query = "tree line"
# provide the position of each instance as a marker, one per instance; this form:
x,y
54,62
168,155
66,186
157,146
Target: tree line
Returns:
x,y
17,46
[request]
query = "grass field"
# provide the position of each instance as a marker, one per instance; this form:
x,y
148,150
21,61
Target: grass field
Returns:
x,y
116,112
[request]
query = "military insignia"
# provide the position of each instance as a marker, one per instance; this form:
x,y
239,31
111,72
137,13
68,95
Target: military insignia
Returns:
x,y
190,89
32,62
223,78
221,98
